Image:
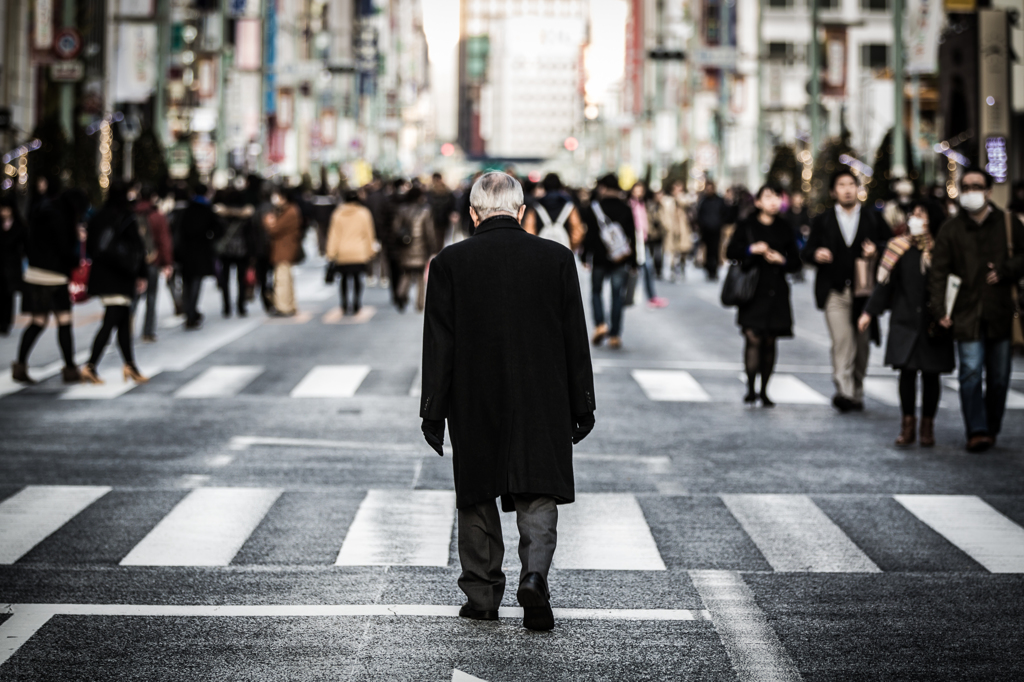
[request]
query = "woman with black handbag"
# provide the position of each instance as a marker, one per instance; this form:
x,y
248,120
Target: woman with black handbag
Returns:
x,y
118,273
764,243
916,342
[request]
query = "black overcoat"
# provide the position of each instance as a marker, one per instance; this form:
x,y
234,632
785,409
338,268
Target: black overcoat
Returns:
x,y
770,310
109,275
909,345
837,275
196,230
506,360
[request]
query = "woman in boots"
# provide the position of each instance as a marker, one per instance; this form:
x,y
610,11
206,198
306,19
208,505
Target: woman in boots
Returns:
x,y
916,344
765,241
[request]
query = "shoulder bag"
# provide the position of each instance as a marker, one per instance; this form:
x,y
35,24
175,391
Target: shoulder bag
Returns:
x,y
78,283
612,235
1017,331
740,284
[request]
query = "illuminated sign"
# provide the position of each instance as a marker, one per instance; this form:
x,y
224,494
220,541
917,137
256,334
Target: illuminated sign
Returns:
x,y
997,166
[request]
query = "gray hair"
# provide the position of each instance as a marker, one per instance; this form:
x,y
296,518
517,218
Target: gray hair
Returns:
x,y
495,193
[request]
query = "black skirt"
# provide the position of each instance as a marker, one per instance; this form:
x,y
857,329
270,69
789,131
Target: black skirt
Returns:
x,y
40,299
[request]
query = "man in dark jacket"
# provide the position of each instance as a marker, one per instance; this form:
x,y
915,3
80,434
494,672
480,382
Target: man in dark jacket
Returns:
x,y
159,252
974,247
611,209
712,214
197,229
838,239
506,362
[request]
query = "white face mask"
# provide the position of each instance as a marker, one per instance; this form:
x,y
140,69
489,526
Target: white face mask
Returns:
x,y
915,225
972,202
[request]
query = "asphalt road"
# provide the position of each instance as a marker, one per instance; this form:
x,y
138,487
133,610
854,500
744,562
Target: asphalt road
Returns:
x,y
265,509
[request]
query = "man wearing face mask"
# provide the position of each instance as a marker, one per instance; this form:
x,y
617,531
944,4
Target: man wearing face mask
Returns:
x,y
976,247
898,208
838,239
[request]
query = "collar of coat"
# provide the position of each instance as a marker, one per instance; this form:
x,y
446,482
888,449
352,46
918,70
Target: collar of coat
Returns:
x,y
498,222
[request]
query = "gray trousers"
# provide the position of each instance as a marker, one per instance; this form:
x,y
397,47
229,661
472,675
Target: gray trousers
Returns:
x,y
850,348
481,548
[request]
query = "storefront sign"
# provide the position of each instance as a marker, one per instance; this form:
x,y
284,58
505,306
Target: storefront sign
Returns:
x,y
925,19
135,8
42,23
834,81
136,62
248,44
67,71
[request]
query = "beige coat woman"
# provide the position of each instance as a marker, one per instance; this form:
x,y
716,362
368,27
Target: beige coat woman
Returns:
x,y
351,239
678,236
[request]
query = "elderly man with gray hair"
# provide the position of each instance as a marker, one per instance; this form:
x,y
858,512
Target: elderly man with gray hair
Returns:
x,y
506,361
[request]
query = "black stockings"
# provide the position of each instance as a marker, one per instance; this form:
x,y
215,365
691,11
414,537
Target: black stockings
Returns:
x,y
931,391
758,358
64,338
116,317
355,274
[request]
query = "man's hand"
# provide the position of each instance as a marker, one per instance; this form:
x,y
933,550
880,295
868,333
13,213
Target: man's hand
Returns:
x,y
823,255
433,433
868,248
582,425
946,322
992,277
863,322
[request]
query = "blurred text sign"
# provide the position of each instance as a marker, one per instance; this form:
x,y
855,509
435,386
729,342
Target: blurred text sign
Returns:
x,y
136,62
67,71
925,19
720,57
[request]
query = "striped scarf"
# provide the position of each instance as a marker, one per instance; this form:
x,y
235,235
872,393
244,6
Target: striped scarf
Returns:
x,y
898,246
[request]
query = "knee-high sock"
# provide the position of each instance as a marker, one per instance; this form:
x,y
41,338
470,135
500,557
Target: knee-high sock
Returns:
x,y
28,339
67,344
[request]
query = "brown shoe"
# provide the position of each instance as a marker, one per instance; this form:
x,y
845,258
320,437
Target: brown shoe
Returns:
x,y
614,342
19,373
979,442
71,375
908,430
600,331
927,432
89,375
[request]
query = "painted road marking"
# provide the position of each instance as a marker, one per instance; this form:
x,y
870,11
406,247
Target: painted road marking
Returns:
x,y
670,386
207,528
27,619
220,381
37,511
886,391
39,374
336,316
752,645
108,391
459,676
605,531
969,523
245,442
786,389
400,528
331,381
794,535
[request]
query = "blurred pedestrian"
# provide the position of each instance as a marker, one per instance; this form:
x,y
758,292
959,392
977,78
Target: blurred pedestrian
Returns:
x,y
53,252
13,238
712,215
118,273
764,241
839,239
515,383
351,245
609,250
554,215
799,219
638,205
442,207
236,249
198,230
156,235
416,242
916,345
284,228
977,247
678,235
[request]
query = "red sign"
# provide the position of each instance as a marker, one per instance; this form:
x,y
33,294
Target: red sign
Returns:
x,y
68,43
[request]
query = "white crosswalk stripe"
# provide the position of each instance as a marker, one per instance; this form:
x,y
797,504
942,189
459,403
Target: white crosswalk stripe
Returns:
x,y
400,528
221,381
665,385
605,531
331,381
107,391
794,535
207,528
786,389
37,511
973,526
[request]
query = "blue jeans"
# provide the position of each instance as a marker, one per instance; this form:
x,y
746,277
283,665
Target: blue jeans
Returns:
x,y
617,275
649,275
983,412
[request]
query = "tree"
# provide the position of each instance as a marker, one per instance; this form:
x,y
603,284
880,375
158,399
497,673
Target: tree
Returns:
x,y
825,164
879,185
785,170
148,159
53,158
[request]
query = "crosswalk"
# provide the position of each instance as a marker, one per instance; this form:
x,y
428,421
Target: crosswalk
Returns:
x,y
346,381
791,533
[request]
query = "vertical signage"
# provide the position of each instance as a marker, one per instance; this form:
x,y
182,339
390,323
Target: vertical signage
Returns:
x,y
136,62
994,98
833,82
924,24
42,20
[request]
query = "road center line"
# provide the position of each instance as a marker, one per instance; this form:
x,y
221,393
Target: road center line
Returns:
x,y
244,442
754,648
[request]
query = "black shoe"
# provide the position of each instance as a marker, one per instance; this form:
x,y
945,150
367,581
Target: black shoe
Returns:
x,y
242,312
766,402
468,611
533,597
858,405
842,403
750,398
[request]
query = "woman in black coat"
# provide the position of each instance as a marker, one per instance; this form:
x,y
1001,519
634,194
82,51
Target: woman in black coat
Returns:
x,y
916,343
118,273
765,241
13,235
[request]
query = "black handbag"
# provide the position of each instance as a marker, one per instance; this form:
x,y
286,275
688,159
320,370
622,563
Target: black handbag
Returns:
x,y
740,284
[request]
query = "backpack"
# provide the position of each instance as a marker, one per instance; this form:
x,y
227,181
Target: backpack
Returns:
x,y
232,244
555,231
118,253
612,235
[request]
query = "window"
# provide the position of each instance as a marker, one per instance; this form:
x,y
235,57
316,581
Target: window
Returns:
x,y
827,4
782,52
875,5
780,4
874,56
